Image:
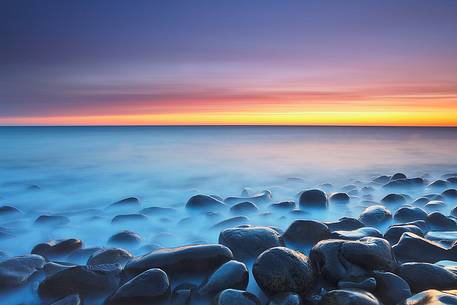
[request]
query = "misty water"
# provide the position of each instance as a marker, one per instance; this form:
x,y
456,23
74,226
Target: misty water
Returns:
x,y
79,171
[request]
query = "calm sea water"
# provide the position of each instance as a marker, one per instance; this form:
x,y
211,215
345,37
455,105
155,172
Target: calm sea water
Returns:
x,y
67,170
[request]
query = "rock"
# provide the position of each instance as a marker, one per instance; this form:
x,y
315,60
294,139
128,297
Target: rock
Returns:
x,y
450,195
349,297
440,222
313,199
339,260
407,214
150,286
284,205
125,238
262,197
454,211
306,232
413,248
423,276
87,281
390,288
381,179
398,176
339,198
57,248
445,237
195,259
16,271
231,222
435,205
235,297
432,297
393,199
110,256
183,294
51,220
248,243
405,184
286,298
51,267
69,300
434,197
205,203
356,234
154,211
129,218
375,215
125,204
232,274
244,207
7,210
281,269
368,284
438,185
345,224
80,256
394,233
421,201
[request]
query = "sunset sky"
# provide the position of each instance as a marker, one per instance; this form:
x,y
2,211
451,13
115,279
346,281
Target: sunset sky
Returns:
x,y
319,62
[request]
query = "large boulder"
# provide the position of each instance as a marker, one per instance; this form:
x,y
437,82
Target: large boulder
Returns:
x,y
247,243
306,232
151,286
235,297
375,215
196,259
423,276
390,288
232,274
204,203
313,199
87,281
281,269
16,271
348,297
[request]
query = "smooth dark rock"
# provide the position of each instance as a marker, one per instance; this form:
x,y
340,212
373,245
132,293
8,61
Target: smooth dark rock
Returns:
x,y
244,207
183,294
286,298
313,199
432,297
231,222
110,256
394,233
368,284
439,222
125,204
423,276
438,185
348,297
450,195
339,198
259,198
284,205
445,237
248,243
151,286
357,234
129,218
375,215
306,232
80,256
153,211
282,269
87,281
7,210
125,238
197,259
205,203
57,248
390,288
232,274
16,271
435,205
393,199
398,176
381,179
407,214
405,184
52,220
235,297
69,300
345,224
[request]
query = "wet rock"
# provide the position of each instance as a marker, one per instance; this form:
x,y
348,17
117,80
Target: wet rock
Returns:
x,y
339,198
69,300
125,238
183,294
339,260
405,184
235,297
196,259
151,286
129,218
52,220
434,197
87,281
232,274
57,248
432,297
286,298
423,276
413,248
422,201
438,185
375,215
80,256
205,203
392,199
445,237
398,176
16,271
454,211
345,224
349,297
435,205
110,256
356,234
7,210
128,203
450,195
153,211
313,199
407,214
381,179
439,222
306,232
281,269
390,288
368,284
394,233
51,267
283,205
262,197
244,207
231,222
247,243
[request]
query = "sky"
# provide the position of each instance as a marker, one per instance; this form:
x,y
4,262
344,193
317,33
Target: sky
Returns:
x,y
315,62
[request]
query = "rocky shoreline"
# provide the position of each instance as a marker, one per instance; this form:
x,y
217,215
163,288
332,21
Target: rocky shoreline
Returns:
x,y
399,250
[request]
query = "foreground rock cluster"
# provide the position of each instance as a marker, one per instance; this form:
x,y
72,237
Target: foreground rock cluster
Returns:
x,y
401,250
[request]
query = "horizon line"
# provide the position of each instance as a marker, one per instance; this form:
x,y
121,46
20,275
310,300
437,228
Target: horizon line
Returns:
x,y
232,125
